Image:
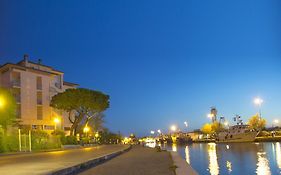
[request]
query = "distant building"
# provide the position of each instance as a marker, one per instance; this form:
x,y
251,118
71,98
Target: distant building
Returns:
x,y
33,86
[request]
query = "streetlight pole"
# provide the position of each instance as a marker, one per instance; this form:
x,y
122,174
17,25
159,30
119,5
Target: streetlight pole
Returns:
x,y
186,125
56,120
258,102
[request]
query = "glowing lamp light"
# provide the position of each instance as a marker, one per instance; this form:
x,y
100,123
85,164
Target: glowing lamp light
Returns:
x,y
173,128
152,132
56,120
258,101
86,129
159,131
210,115
276,121
225,123
2,102
97,134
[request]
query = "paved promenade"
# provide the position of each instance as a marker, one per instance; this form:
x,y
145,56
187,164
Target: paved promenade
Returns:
x,y
46,162
137,161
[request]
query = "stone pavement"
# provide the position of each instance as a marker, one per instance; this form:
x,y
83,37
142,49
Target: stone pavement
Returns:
x,y
137,161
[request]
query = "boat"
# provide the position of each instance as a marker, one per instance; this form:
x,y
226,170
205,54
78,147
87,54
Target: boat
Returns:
x,y
237,133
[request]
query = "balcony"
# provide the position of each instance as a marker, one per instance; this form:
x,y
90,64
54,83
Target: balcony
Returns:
x,y
16,83
39,87
18,99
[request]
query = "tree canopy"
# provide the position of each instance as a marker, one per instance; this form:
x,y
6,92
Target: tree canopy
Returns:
x,y
81,104
207,128
257,123
210,128
7,108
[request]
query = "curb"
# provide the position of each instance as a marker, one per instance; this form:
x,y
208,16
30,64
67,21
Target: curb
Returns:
x,y
183,167
88,164
43,151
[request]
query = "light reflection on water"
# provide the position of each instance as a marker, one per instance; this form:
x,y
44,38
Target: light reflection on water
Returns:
x,y
236,158
278,154
263,164
187,158
174,147
213,159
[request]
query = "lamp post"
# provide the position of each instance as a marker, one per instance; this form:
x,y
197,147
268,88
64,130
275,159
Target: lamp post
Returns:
x,y
258,102
159,131
226,124
211,116
173,128
56,120
276,122
2,102
186,125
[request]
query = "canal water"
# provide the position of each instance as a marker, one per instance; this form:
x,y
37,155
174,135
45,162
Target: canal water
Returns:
x,y
233,158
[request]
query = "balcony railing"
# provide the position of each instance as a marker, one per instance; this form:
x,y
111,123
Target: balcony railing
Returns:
x,y
39,86
15,83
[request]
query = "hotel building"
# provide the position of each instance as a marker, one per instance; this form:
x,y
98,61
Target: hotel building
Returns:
x,y
33,86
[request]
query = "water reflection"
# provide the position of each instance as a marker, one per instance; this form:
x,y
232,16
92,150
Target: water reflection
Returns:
x,y
187,158
231,158
213,160
263,164
229,166
174,147
278,154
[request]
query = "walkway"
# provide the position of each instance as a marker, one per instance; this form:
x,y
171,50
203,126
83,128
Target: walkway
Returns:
x,y
138,161
47,162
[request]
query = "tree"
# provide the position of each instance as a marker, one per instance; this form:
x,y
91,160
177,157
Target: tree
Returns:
x,y
257,123
207,128
96,123
7,108
217,127
81,105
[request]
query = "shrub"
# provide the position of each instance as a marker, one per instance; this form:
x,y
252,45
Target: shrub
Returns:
x,y
8,142
69,140
41,140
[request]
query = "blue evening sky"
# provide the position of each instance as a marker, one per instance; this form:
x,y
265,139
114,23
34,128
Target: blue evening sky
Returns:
x,y
162,62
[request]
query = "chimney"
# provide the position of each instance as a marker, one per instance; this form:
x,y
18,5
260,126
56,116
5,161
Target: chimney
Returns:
x,y
25,58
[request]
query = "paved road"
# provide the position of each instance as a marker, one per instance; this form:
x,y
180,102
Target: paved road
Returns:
x,y
137,161
42,163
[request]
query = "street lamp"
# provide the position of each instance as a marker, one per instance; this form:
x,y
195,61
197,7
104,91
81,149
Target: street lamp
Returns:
x,y
2,102
173,128
56,120
276,122
86,129
185,123
258,102
211,116
226,124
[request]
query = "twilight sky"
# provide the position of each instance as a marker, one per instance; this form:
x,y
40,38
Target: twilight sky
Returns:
x,y
162,62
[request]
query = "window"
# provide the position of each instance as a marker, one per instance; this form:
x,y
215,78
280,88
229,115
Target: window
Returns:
x,y
18,111
39,83
49,127
15,79
39,112
39,98
16,93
